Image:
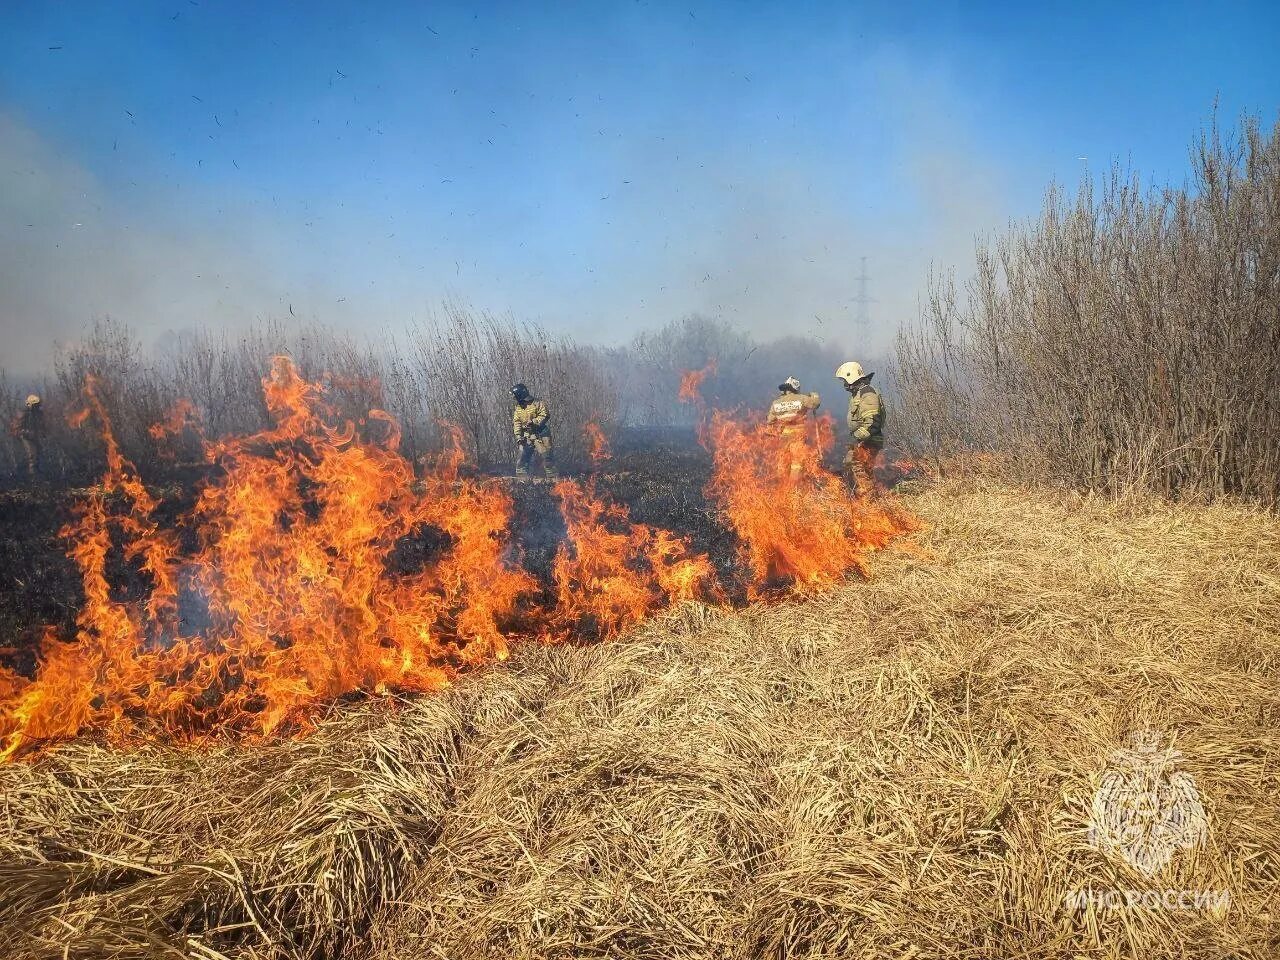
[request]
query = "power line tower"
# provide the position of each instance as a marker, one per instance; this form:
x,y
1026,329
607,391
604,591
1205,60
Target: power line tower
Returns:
x,y
861,315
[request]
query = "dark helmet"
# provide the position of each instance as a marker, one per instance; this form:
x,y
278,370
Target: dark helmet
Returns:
x,y
520,392
789,385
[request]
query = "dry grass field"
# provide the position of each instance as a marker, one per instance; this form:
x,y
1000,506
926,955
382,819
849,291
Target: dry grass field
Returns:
x,y
902,767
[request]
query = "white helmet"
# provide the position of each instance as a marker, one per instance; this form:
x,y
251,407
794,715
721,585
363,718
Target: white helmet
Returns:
x,y
791,383
32,400
850,372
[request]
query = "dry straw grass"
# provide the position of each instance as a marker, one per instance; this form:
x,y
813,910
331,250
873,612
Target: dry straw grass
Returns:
x,y
903,768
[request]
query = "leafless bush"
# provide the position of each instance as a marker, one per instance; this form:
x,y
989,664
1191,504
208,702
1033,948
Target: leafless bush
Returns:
x,y
458,369
1126,340
469,363
219,373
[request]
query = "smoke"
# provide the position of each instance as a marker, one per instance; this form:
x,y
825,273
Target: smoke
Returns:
x,y
770,240
70,251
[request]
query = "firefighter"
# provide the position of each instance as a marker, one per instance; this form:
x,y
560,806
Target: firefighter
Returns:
x,y
532,428
866,427
790,414
29,428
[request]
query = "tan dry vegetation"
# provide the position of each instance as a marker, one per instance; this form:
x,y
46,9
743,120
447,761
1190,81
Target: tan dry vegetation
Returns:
x,y
1127,338
902,768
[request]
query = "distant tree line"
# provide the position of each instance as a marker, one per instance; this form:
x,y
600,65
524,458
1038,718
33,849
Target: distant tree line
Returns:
x,y
458,369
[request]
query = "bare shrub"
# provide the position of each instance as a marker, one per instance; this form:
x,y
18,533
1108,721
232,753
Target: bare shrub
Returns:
x,y
1127,340
469,363
457,369
218,372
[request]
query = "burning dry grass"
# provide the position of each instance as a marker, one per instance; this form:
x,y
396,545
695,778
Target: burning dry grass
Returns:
x,y
296,596
902,767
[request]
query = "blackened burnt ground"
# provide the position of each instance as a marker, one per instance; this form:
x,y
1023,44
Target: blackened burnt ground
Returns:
x,y
658,475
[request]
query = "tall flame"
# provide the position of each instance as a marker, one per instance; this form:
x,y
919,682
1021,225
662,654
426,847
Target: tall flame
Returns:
x,y
797,524
308,578
295,570
597,443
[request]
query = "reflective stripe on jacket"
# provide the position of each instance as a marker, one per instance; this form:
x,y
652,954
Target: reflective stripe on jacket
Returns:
x,y
791,409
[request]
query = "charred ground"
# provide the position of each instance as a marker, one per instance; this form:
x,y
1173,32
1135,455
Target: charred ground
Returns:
x,y
658,475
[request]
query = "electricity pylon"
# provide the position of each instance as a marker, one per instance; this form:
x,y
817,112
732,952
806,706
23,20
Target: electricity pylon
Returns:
x,y
862,316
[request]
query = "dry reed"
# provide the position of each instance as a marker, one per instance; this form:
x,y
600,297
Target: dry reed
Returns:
x,y
901,768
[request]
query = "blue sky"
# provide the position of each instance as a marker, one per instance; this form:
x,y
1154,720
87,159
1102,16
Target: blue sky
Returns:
x,y
598,167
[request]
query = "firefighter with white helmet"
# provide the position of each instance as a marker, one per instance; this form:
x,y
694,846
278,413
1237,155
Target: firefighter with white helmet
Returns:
x,y
866,426
29,429
532,427
790,415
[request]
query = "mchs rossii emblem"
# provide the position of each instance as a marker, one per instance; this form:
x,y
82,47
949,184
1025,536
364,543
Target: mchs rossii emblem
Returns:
x,y
1146,810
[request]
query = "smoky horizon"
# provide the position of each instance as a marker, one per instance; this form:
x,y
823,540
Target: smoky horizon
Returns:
x,y
600,173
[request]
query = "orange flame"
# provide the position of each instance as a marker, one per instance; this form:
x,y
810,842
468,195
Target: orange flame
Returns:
x,y
303,586
181,415
11,682
296,572
597,443
612,572
691,382
796,523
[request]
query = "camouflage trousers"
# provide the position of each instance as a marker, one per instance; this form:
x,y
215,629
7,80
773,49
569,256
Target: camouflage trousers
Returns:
x,y
860,464
542,446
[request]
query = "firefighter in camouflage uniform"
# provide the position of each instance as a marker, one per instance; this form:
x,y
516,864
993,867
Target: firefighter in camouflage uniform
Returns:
x,y
790,415
866,427
532,427
28,427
